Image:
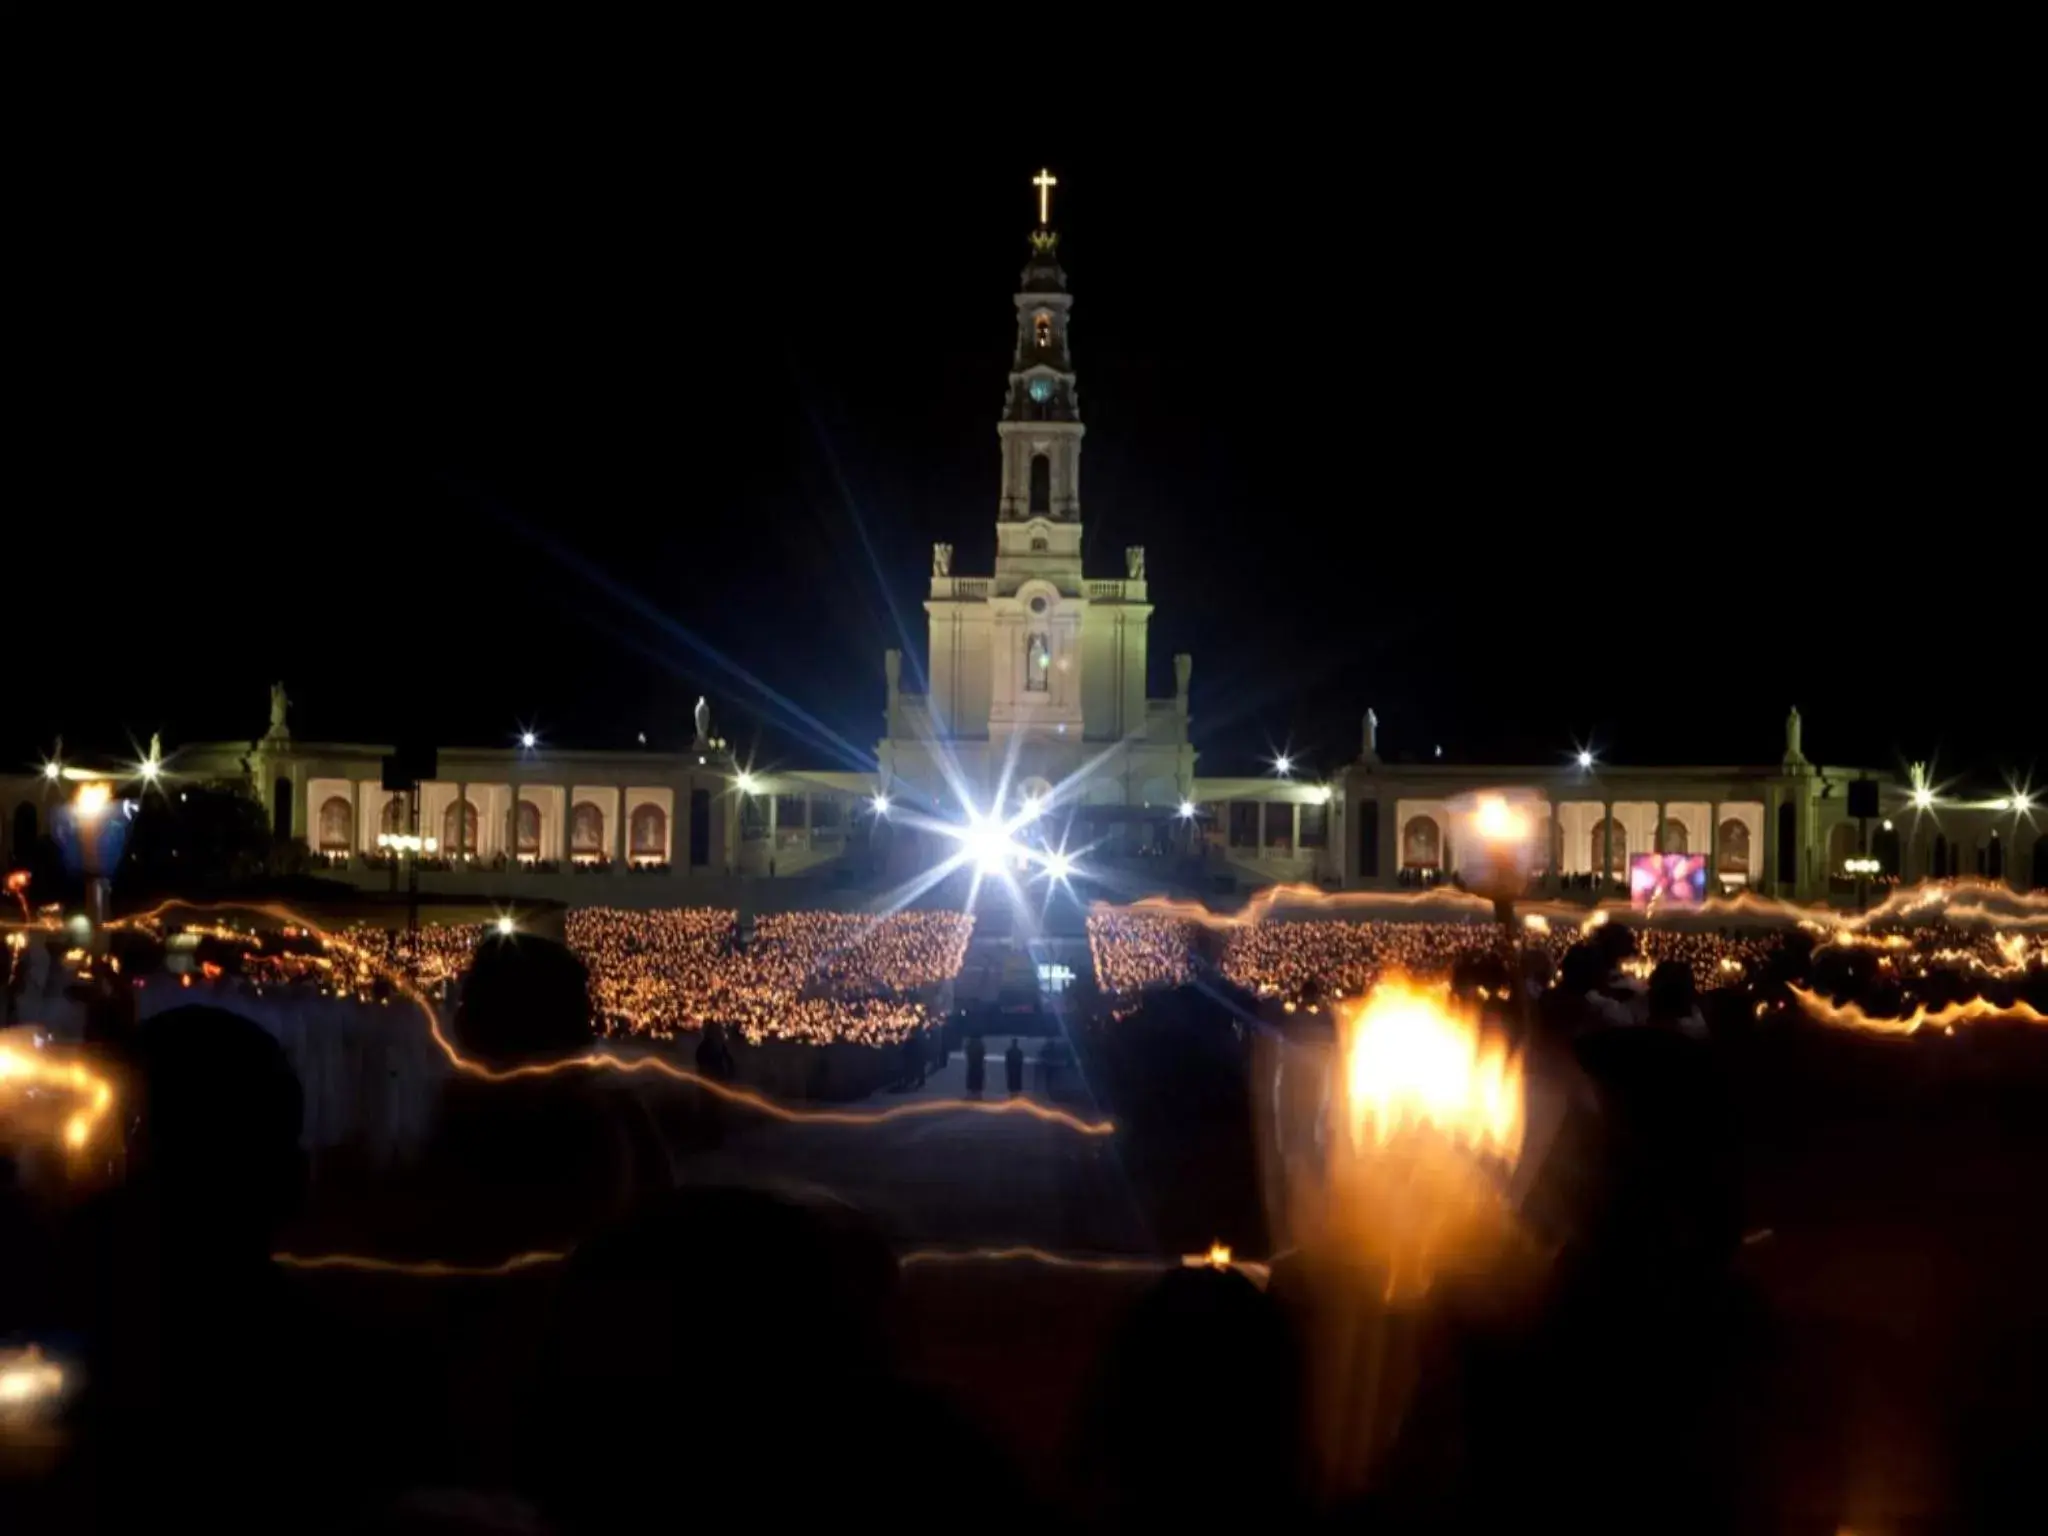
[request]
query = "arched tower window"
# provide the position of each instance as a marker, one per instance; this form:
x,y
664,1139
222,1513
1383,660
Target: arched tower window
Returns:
x,y
1041,330
1041,483
394,816
529,829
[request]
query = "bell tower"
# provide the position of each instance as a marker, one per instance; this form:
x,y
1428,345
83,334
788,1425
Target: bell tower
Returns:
x,y
1038,517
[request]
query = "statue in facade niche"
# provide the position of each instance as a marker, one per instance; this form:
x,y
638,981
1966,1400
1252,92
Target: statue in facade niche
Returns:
x,y
1134,562
942,559
702,715
279,704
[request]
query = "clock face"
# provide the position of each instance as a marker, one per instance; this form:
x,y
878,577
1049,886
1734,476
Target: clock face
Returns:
x,y
1041,389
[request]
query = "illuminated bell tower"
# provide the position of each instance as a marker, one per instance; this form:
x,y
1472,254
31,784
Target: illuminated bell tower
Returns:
x,y
1038,518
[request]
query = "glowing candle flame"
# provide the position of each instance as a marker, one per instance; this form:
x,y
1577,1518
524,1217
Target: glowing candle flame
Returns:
x,y
1411,1063
26,1377
35,1070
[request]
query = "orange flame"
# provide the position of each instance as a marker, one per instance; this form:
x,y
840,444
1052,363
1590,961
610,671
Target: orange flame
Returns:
x,y
21,1069
1411,1061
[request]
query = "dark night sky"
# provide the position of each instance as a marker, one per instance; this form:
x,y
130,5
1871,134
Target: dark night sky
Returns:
x,y
1521,437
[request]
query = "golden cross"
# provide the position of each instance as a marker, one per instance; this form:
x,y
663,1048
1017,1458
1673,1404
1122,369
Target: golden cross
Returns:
x,y
1045,181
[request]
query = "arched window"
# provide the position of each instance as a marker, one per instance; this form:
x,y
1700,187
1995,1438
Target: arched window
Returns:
x,y
529,830
1041,330
649,828
1041,483
1734,846
393,817
458,829
1037,664
281,808
1422,843
1994,857
586,829
1671,836
335,817
1941,868
1039,545
1613,860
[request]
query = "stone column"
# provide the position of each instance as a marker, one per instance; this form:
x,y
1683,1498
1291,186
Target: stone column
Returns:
x,y
1606,844
308,836
1294,840
1766,858
618,837
1714,844
562,831
355,841
772,831
1555,858
1389,872
1657,829
512,818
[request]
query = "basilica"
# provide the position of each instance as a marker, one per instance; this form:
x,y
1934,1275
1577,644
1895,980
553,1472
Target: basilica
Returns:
x,y
1032,693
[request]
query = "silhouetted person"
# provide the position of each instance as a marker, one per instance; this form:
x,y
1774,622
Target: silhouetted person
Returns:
x,y
1013,1068
1193,1420
523,996
14,975
199,1340
714,1053
977,1063
695,1323
1673,1002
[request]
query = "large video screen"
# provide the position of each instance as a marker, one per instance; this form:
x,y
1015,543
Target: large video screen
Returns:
x,y
1676,878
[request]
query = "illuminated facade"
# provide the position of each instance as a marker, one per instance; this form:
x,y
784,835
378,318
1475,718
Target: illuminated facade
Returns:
x,y
1034,686
1035,677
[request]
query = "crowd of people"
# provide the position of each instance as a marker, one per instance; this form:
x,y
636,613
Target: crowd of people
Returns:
x,y
817,977
1313,959
820,978
1136,951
